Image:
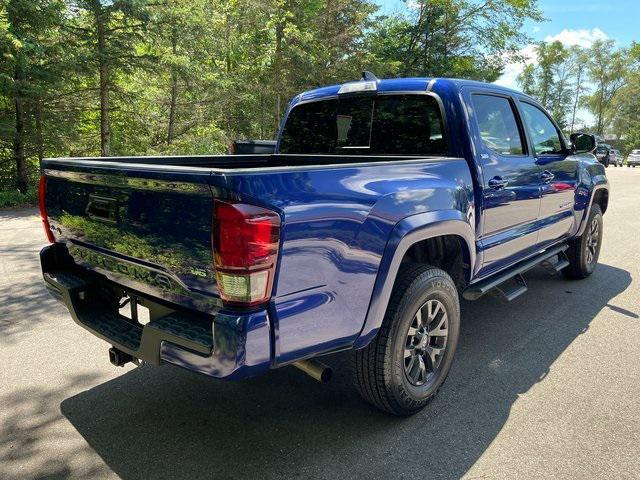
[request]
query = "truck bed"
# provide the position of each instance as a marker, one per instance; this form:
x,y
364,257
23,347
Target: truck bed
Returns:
x,y
236,162
146,224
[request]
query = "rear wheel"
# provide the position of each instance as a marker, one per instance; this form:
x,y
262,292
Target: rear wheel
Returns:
x,y
584,251
403,368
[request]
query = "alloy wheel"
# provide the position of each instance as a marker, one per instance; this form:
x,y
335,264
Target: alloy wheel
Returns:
x,y
426,342
593,240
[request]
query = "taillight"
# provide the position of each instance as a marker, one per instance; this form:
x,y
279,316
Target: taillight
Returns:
x,y
245,248
42,190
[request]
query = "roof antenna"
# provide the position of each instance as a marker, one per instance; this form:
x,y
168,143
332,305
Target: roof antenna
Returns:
x,y
369,77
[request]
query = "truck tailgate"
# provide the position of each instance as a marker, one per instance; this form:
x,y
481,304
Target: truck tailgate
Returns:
x,y
147,227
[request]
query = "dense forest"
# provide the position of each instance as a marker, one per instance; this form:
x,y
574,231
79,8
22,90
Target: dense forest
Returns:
x,y
134,77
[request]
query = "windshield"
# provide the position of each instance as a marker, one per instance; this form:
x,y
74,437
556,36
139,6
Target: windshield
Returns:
x,y
366,125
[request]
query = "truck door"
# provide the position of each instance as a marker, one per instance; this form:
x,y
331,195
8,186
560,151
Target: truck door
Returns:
x,y
510,180
558,173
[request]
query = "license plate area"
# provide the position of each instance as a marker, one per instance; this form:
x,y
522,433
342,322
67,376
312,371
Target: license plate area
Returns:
x,y
132,307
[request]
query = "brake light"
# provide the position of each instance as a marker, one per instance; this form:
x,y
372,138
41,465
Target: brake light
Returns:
x,y
245,248
42,190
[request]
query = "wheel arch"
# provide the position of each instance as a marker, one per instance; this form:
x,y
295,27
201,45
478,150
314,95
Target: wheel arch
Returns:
x,y
600,196
412,232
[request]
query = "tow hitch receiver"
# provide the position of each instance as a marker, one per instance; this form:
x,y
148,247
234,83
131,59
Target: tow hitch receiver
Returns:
x,y
118,357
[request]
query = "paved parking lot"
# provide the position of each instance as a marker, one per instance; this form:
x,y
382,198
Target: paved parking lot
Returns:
x,y
548,386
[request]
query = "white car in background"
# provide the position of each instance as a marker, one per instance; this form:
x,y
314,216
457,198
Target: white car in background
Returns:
x,y
634,158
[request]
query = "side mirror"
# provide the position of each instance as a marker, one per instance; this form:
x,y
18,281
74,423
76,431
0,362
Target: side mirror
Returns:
x,y
583,142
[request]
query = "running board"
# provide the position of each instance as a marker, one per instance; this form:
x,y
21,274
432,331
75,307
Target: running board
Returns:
x,y
510,283
562,261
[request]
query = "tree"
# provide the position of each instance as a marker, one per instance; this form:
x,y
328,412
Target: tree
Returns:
x,y
607,68
178,34
30,71
123,77
552,79
527,80
458,38
109,31
579,87
627,109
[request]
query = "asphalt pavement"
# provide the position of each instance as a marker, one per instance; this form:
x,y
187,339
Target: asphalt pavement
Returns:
x,y
547,386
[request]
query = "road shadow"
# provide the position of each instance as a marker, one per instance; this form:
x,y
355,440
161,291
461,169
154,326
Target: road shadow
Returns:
x,y
26,434
162,422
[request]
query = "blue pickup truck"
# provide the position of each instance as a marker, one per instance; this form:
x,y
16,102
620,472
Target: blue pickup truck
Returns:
x,y
383,203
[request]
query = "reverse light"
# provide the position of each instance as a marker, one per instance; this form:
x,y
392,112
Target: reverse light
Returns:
x,y
245,242
42,190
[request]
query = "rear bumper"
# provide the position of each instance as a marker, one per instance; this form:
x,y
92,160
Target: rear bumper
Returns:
x,y
227,345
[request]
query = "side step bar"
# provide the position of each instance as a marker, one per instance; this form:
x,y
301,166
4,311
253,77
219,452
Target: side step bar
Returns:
x,y
500,282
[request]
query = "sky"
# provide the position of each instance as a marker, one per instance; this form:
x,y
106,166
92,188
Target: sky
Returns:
x,y
573,22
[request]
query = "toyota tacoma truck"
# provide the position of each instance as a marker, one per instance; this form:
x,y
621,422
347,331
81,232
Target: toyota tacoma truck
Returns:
x,y
383,203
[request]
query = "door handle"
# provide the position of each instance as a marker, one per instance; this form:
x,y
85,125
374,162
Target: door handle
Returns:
x,y
547,176
497,183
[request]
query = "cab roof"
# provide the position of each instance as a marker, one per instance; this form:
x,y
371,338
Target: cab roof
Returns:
x,y
416,84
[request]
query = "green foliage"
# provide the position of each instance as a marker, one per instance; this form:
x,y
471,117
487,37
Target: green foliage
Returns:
x,y
455,38
607,67
14,198
625,106
139,77
555,80
601,78
153,247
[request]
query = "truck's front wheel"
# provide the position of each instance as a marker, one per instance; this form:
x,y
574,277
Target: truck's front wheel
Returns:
x,y
403,368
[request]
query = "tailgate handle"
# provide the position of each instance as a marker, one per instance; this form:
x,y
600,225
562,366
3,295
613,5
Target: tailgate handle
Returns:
x,y
102,208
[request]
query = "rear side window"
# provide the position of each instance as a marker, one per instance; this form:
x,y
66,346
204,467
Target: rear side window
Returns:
x,y
311,128
541,129
366,125
497,124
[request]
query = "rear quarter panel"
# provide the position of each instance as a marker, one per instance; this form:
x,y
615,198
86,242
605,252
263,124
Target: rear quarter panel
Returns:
x,y
336,224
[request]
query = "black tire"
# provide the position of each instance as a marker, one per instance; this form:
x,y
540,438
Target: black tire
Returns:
x,y
380,368
583,253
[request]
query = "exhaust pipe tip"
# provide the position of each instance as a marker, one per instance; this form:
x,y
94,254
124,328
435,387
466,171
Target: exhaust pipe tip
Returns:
x,y
326,375
315,369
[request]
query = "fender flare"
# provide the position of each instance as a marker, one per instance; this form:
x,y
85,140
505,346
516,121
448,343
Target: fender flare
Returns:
x,y
406,233
597,186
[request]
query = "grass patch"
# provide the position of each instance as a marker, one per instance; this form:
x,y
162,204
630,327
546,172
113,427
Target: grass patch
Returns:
x,y
13,198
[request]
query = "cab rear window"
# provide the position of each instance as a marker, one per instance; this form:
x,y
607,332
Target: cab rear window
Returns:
x,y
366,125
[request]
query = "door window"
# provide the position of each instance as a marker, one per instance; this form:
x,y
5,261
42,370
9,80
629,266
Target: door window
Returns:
x,y
543,132
497,124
